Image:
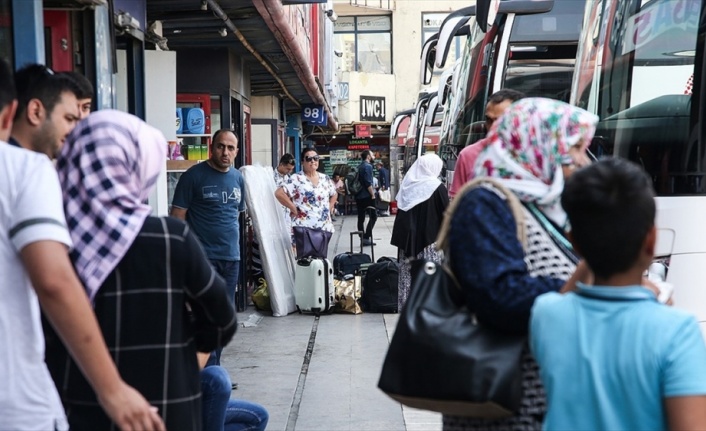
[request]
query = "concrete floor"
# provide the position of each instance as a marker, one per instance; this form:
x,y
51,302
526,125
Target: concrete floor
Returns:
x,y
321,373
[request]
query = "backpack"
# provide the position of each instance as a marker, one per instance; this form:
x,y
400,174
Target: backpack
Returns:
x,y
353,184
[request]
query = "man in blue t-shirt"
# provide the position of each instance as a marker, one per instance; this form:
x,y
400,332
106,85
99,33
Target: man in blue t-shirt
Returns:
x,y
209,196
612,357
365,198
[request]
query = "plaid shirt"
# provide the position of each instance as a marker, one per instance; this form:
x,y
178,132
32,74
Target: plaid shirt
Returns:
x,y
142,311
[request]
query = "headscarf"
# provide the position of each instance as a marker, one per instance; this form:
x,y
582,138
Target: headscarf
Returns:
x,y
420,181
107,168
528,145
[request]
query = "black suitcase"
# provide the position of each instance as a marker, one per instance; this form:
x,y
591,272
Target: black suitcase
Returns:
x,y
380,288
350,262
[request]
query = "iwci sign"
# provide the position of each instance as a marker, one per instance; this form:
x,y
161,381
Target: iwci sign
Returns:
x,y
372,108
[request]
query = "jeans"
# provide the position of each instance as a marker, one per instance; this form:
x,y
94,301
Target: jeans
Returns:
x,y
229,270
220,412
366,205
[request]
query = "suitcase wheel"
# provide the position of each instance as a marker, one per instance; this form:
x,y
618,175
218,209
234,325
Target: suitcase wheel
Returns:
x,y
299,310
316,311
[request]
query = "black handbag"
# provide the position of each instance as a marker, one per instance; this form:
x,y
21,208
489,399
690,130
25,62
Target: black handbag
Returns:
x,y
311,242
441,359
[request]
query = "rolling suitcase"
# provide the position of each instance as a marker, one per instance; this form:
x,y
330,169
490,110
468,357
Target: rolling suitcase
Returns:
x,y
349,263
313,285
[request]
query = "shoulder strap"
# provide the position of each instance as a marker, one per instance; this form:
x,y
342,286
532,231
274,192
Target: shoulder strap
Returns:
x,y
512,201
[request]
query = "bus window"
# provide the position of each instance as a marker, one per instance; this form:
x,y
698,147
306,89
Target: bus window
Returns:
x,y
643,93
562,24
478,82
542,77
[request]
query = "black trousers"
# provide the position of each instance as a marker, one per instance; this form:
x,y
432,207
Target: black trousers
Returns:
x,y
366,205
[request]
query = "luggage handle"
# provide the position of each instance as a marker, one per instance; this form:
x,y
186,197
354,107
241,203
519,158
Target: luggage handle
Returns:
x,y
372,247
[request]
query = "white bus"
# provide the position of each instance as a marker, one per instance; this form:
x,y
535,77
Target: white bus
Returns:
x,y
531,47
640,68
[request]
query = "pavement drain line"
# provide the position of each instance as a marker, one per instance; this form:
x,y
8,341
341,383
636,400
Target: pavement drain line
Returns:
x,y
296,402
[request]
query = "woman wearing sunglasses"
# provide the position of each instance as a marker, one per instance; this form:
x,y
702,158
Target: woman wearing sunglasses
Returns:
x,y
310,197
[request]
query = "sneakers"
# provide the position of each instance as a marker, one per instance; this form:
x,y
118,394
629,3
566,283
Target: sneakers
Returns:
x,y
368,241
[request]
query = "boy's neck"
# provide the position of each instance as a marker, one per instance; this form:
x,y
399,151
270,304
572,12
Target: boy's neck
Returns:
x,y
631,277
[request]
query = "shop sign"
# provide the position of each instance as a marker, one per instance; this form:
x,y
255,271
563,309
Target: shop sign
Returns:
x,y
362,130
372,108
338,157
358,145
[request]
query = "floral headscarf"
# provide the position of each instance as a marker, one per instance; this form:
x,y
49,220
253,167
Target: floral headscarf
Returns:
x,y
108,168
528,145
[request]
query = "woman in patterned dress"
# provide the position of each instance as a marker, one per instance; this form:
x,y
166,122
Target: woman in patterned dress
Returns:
x,y
310,196
421,202
534,145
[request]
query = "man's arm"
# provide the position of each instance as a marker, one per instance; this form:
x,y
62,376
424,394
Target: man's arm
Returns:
x,y
66,305
368,170
686,413
179,213
284,199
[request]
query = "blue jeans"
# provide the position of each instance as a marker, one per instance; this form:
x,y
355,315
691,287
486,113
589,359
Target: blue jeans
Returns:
x,y
229,270
220,412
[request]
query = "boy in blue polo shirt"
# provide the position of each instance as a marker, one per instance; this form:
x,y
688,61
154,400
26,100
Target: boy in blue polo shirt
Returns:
x,y
611,357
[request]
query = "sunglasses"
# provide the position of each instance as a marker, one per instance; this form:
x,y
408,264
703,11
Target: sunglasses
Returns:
x,y
312,158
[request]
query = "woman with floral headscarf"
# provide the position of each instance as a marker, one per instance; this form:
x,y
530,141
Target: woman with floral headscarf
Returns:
x,y
142,273
532,147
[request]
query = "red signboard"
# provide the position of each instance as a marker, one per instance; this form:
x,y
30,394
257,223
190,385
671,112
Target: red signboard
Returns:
x,y
362,130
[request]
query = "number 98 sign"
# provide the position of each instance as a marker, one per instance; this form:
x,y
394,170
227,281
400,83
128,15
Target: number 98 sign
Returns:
x,y
314,114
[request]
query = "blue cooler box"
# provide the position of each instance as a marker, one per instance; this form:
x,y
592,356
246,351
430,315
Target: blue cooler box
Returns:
x,y
195,121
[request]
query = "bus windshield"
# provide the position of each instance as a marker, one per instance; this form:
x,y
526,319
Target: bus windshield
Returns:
x,y
635,69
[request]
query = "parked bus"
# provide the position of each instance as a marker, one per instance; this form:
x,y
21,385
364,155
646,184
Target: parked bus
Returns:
x,y
531,47
398,136
640,68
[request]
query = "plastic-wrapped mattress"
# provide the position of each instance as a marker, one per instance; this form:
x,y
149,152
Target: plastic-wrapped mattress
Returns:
x,y
273,236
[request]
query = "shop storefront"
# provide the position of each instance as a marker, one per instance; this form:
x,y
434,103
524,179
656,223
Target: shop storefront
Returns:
x,y
340,154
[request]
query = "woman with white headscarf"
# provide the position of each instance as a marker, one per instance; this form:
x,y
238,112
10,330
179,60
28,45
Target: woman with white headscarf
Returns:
x,y
533,146
142,273
421,202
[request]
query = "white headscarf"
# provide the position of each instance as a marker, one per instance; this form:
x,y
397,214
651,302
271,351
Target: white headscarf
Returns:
x,y
420,182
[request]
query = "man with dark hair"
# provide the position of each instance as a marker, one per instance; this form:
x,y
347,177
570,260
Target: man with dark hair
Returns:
x,y
610,355
36,269
497,104
84,92
365,198
283,169
47,109
210,196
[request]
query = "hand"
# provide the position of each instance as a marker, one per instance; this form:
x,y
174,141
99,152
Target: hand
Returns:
x,y
130,411
649,284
